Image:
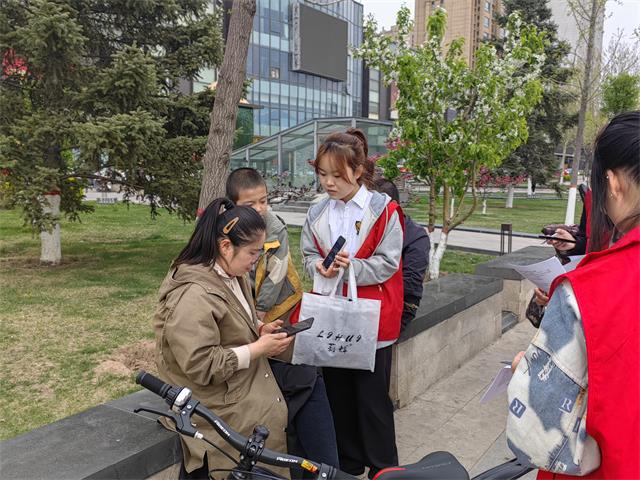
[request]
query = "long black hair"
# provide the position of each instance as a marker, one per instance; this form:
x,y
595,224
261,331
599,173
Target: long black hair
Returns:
x,y
221,219
616,148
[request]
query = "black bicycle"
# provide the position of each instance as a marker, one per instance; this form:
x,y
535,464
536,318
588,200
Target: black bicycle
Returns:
x,y
435,466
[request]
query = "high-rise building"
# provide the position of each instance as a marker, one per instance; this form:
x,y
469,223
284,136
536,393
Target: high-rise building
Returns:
x,y
574,30
379,100
299,62
473,20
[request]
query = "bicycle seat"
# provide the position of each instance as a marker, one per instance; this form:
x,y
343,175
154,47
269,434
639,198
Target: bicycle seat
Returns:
x,y
435,466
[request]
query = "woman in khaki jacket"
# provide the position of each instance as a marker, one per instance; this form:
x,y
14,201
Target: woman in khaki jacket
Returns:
x,y
208,337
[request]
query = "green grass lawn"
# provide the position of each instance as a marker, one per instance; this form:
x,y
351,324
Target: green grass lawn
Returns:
x,y
527,215
70,335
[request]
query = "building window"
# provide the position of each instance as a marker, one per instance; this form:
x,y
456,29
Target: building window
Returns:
x,y
486,22
374,93
487,6
274,72
485,36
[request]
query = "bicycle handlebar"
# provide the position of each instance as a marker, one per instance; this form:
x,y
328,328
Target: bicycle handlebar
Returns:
x,y
267,456
153,384
239,442
252,449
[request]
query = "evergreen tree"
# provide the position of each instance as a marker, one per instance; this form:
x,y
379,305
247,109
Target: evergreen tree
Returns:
x,y
89,92
548,122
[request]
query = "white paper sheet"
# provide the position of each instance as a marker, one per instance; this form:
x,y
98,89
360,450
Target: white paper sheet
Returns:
x,y
541,274
499,384
573,263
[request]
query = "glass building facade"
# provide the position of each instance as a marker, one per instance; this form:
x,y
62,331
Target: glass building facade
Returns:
x,y
289,152
287,98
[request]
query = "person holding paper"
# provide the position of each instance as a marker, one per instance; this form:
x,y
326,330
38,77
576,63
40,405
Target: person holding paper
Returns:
x,y
576,245
574,396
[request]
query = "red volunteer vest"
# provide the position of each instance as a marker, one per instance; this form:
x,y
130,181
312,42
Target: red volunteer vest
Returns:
x,y
607,287
391,292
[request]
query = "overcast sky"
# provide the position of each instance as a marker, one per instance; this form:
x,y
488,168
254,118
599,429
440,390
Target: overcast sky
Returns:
x,y
622,14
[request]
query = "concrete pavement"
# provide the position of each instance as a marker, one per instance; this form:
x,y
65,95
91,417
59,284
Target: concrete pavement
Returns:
x,y
449,416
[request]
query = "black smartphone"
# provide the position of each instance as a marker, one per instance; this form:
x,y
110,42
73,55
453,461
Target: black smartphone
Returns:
x,y
547,237
328,260
301,326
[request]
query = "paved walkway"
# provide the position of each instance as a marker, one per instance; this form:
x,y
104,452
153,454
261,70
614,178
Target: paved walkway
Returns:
x,y
476,241
449,416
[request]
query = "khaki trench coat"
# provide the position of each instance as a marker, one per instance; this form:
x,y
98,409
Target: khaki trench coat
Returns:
x,y
197,321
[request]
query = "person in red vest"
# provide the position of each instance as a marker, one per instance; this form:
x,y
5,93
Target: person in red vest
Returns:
x,y
574,399
577,245
372,225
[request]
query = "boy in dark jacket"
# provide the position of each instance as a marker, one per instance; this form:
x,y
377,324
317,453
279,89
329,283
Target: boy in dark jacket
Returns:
x,y
415,256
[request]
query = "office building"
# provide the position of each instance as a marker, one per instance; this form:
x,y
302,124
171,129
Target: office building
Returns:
x,y
300,64
473,20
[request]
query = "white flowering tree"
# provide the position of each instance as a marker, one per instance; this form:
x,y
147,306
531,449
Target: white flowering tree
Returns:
x,y
454,118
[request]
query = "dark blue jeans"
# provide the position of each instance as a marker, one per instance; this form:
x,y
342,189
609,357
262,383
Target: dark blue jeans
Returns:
x,y
314,424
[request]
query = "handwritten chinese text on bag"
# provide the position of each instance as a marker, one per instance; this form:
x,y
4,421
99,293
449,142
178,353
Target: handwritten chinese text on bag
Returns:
x,y
344,333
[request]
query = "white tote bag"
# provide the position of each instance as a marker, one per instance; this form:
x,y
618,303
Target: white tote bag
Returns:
x,y
344,333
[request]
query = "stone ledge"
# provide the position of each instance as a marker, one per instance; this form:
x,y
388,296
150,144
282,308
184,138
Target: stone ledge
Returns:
x,y
447,296
459,316
105,442
498,267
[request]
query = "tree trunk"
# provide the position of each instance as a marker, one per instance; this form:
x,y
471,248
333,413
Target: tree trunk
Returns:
x,y
446,204
584,103
569,218
510,192
529,188
433,200
436,258
562,160
484,206
432,242
50,249
228,94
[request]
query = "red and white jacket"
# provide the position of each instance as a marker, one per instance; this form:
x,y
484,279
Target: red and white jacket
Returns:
x,y
377,263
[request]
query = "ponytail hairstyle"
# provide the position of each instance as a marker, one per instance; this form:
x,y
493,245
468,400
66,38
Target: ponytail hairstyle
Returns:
x,y
348,149
221,219
616,148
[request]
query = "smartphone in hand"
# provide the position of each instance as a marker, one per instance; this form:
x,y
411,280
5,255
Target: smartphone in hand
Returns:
x,y
328,260
292,330
557,239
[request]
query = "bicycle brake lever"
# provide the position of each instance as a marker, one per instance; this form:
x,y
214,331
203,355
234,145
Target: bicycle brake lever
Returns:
x,y
182,421
151,410
170,416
